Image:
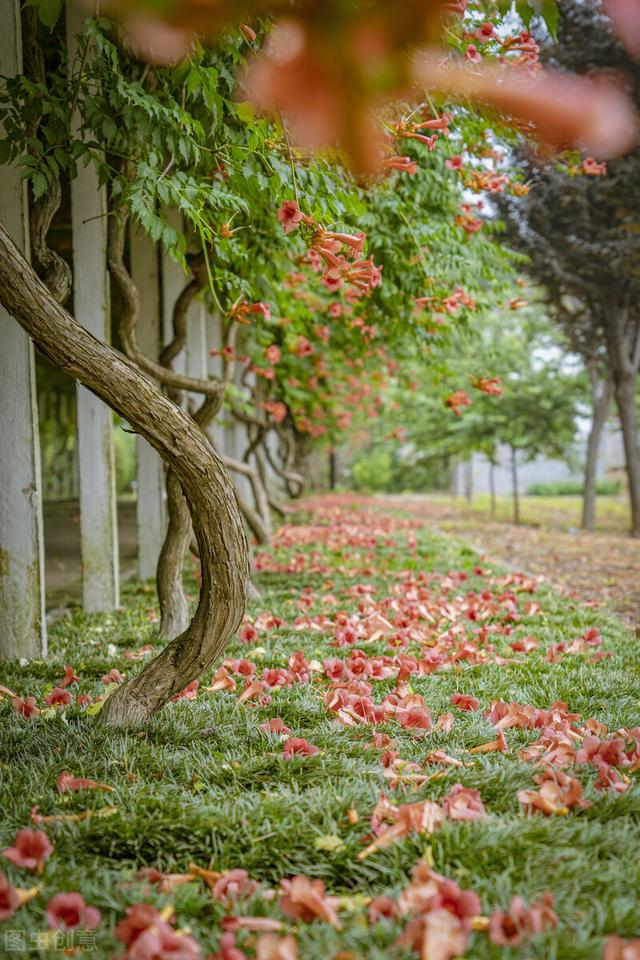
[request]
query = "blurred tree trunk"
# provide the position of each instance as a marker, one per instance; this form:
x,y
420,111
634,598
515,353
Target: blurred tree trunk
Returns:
x,y
453,479
514,486
333,469
623,349
492,488
625,394
601,394
468,479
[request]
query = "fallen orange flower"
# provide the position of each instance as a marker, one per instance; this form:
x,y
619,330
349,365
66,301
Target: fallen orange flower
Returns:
x,y
221,681
510,928
30,849
25,707
272,947
232,885
464,803
66,911
439,756
9,899
210,877
615,948
68,678
165,882
305,899
421,817
438,935
558,793
254,688
275,725
464,701
298,747
67,783
499,745
255,924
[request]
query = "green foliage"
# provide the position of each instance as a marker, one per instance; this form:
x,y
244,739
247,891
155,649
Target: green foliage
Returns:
x,y
571,488
536,414
373,472
199,170
48,10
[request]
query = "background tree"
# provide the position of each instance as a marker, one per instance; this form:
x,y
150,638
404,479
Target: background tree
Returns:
x,y
527,399
584,329
580,226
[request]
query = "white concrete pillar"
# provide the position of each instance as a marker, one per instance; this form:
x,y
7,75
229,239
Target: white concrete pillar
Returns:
x,y
197,358
457,479
274,481
96,462
467,478
22,621
150,490
236,441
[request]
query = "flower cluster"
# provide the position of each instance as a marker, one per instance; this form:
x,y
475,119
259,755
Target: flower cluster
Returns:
x,y
338,251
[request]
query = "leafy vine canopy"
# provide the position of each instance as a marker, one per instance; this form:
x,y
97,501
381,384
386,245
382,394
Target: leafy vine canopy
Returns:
x,y
341,262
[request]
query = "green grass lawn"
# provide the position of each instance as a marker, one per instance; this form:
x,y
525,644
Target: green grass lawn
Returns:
x,y
556,513
204,785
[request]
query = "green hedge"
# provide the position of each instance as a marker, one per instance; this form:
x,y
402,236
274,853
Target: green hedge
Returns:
x,y
572,488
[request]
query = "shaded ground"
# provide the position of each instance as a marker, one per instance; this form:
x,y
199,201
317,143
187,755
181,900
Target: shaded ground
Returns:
x,y
597,567
63,569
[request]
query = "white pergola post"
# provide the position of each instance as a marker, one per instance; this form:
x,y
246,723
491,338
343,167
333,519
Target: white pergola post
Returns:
x,y
235,443
96,462
22,620
274,482
197,354
150,491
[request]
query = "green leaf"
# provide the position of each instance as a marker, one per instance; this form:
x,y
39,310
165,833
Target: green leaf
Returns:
x,y
551,16
328,842
48,11
245,111
94,708
39,185
193,81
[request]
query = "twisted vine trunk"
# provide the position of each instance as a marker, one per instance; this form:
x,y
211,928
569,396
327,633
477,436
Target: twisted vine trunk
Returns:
x,y
180,442
174,606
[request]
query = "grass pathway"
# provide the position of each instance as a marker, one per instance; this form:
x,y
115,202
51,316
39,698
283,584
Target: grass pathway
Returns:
x,y
394,660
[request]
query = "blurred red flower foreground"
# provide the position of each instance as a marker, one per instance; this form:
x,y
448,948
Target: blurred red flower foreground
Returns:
x,y
333,92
